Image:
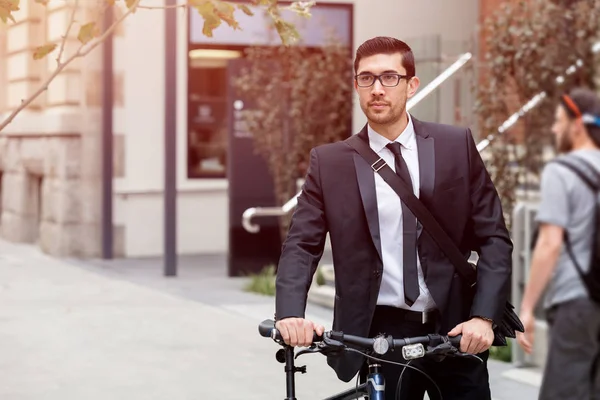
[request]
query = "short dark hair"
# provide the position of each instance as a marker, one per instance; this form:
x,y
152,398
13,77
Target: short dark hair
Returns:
x,y
587,101
386,45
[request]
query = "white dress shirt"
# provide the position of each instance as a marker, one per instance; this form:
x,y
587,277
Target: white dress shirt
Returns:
x,y
389,209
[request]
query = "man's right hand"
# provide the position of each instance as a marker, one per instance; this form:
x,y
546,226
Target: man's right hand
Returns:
x,y
298,331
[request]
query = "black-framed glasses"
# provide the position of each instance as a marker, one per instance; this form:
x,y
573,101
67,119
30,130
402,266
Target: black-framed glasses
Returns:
x,y
387,79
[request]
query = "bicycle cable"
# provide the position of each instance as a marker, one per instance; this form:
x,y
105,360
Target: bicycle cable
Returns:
x,y
407,365
400,364
400,380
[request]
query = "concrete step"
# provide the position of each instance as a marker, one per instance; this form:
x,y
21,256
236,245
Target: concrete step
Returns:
x,y
327,272
323,295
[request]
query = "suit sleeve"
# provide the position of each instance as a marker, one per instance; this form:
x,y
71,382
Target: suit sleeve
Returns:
x,y
491,239
303,247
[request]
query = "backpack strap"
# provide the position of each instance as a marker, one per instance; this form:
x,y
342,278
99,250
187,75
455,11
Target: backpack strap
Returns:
x,y
593,186
575,167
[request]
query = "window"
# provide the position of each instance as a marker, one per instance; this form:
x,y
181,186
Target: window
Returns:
x,y
207,110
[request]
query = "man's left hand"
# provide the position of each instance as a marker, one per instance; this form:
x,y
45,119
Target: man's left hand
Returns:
x,y
477,335
525,340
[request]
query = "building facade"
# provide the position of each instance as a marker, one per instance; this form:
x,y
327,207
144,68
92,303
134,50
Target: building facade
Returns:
x,y
50,154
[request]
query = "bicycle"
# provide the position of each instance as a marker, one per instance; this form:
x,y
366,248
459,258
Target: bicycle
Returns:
x,y
433,345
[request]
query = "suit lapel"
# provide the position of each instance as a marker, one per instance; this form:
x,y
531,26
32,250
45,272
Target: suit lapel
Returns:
x,y
426,151
366,184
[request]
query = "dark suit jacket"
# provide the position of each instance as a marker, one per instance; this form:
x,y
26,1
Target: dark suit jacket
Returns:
x,y
338,197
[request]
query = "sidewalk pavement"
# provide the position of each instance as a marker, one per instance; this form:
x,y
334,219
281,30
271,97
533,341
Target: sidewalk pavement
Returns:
x,y
72,330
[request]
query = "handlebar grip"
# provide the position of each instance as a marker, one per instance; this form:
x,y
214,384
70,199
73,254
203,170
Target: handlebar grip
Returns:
x,y
455,340
267,327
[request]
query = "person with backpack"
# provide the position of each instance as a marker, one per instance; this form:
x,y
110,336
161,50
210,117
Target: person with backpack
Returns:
x,y
565,260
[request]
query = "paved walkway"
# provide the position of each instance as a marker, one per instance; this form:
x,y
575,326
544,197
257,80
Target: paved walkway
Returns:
x,y
74,330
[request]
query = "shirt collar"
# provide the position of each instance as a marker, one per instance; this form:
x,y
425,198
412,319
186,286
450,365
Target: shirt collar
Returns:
x,y
406,138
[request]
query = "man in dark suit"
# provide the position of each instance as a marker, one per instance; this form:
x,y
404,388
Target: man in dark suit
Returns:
x,y
390,275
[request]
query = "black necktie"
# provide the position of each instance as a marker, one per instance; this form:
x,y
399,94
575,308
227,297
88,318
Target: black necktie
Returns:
x,y
409,224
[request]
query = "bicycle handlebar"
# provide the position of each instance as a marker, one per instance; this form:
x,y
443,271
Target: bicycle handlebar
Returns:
x,y
432,339
379,344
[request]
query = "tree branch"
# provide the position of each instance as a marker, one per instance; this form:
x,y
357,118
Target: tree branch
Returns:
x,y
183,5
64,39
81,52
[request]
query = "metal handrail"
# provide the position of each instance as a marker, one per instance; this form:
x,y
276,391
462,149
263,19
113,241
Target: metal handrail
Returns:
x,y
254,212
447,73
533,102
266,212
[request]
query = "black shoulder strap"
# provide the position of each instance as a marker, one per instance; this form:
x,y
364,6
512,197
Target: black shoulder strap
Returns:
x,y
417,207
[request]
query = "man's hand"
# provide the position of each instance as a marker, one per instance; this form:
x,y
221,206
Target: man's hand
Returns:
x,y
298,331
477,335
525,339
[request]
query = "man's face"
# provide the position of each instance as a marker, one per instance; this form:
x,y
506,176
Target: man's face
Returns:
x,y
563,129
384,105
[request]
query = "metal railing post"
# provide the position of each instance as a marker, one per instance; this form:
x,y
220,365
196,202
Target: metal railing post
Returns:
x,y
523,223
518,271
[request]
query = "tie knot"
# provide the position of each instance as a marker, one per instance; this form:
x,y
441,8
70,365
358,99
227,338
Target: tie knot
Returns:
x,y
395,148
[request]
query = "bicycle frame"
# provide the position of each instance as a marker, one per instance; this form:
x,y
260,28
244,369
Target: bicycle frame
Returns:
x,y
374,388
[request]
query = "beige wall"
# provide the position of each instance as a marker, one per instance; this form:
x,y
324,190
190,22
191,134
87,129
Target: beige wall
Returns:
x,y
202,204
3,66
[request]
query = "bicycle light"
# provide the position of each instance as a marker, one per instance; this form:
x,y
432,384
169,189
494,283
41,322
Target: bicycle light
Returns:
x,y
381,345
412,351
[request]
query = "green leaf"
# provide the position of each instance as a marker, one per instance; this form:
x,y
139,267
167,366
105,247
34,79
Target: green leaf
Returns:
x,y
301,8
130,4
211,20
6,9
225,12
245,9
287,31
5,15
87,32
42,51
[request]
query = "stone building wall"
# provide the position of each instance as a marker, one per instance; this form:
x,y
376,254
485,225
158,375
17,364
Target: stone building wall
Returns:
x,y
50,155
41,199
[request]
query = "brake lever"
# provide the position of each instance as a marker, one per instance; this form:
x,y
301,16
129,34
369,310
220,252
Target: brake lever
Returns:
x,y
441,351
311,349
446,349
461,354
327,347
